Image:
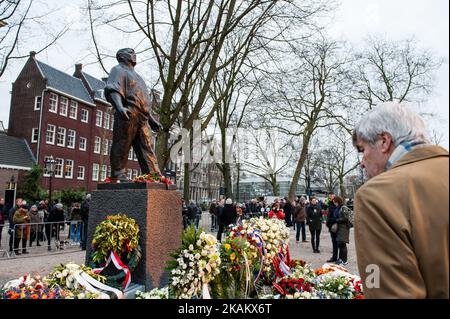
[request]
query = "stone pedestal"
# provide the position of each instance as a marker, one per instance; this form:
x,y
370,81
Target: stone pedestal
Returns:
x,y
157,210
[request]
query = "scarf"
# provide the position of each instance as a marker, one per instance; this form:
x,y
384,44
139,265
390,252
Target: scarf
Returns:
x,y
401,149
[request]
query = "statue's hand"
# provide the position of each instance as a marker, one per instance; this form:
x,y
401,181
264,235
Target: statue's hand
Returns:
x,y
123,111
155,125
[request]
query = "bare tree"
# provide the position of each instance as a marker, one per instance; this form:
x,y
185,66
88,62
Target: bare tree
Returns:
x,y
22,21
388,71
307,96
272,156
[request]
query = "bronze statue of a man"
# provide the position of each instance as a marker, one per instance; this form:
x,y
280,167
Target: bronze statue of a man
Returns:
x,y
133,122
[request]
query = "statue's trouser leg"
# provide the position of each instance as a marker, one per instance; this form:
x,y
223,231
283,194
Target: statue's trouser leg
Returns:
x,y
143,147
123,134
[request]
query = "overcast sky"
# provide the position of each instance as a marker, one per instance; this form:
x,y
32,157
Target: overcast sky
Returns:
x,y
426,20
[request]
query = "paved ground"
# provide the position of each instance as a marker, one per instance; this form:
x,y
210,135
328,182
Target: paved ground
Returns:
x,y
42,262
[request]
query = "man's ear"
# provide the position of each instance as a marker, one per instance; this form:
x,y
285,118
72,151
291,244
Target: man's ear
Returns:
x,y
386,142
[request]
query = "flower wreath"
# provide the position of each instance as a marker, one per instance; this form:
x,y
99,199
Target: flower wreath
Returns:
x,y
152,178
116,239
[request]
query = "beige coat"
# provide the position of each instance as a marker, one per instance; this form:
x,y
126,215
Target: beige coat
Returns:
x,y
401,225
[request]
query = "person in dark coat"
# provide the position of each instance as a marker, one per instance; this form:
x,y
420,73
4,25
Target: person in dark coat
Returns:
x,y
331,219
57,219
343,229
184,214
227,217
212,213
287,212
314,221
84,214
2,218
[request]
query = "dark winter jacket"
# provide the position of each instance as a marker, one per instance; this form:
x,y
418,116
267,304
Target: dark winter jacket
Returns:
x,y
314,217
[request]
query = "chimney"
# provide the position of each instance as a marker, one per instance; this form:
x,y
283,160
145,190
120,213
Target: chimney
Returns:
x,y
32,54
78,67
104,79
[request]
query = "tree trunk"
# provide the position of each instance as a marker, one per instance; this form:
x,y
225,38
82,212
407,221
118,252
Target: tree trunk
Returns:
x,y
227,180
298,169
341,187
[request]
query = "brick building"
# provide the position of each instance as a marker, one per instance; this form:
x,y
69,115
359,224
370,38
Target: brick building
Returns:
x,y
66,117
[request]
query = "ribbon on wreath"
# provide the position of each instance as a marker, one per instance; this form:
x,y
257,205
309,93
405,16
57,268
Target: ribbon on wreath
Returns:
x,y
262,252
93,285
114,257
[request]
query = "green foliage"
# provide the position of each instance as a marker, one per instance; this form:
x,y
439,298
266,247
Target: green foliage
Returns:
x,y
70,195
30,189
117,233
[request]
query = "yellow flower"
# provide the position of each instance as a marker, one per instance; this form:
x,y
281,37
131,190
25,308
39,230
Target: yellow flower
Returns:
x,y
227,246
232,256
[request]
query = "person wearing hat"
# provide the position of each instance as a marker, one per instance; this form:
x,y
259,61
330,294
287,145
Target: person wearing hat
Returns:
x,y
56,219
21,219
34,227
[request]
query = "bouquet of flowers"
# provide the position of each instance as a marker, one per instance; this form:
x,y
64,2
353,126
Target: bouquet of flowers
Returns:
x,y
29,287
274,234
65,276
194,265
153,294
152,178
337,287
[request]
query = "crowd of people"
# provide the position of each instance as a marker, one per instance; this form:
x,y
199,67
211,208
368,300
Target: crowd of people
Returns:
x,y
40,222
299,214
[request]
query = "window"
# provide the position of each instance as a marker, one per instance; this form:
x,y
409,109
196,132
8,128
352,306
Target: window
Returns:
x,y
135,157
97,144
84,115
34,135
73,110
63,105
59,167
45,173
105,146
68,172
61,137
109,170
112,123
107,121
95,172
110,145
135,173
129,173
53,103
82,143
130,154
80,173
103,173
37,103
98,118
50,134
71,134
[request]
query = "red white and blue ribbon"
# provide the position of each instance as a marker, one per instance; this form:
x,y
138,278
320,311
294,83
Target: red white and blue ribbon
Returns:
x,y
114,257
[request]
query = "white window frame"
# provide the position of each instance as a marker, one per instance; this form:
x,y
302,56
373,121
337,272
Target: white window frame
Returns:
x,y
135,173
130,154
97,144
59,167
53,132
105,146
73,109
37,102
107,120
85,143
34,134
84,116
129,173
71,145
63,105
98,118
103,172
109,170
112,123
95,171
66,170
81,169
45,173
53,105
58,134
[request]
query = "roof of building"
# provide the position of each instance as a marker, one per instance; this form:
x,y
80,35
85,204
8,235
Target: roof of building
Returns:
x,y
15,152
96,85
65,83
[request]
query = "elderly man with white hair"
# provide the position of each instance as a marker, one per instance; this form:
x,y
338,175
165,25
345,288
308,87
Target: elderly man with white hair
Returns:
x,y
401,212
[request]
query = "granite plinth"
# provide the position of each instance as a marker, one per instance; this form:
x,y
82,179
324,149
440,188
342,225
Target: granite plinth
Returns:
x,y
157,211
132,185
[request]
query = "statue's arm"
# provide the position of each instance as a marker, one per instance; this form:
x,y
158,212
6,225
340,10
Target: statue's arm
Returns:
x,y
154,124
116,100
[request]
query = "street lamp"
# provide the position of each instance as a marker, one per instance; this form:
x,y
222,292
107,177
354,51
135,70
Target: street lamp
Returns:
x,y
50,167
